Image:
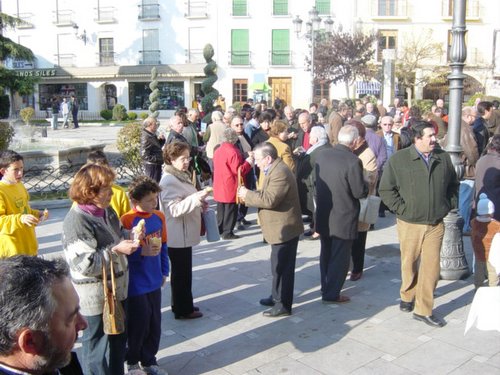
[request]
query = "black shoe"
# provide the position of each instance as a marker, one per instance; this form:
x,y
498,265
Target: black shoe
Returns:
x,y
307,219
275,312
230,236
193,315
381,214
246,222
309,233
430,320
241,227
406,306
267,301
372,226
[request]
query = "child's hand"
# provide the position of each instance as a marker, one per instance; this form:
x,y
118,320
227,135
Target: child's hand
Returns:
x,y
29,220
152,247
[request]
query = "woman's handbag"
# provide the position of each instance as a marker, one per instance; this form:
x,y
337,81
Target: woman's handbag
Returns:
x,y
368,211
239,182
211,227
113,316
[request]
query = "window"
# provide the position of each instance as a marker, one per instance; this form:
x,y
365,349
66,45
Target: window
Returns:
x,y
197,9
240,90
106,51
280,54
150,9
239,7
386,7
323,6
387,40
47,92
471,8
65,55
197,40
389,8
171,95
240,54
321,91
150,47
63,16
280,7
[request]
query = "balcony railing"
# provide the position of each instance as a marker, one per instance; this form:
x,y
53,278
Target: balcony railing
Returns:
x,y
26,21
280,58
150,57
106,58
63,17
389,9
149,12
239,57
65,59
196,9
105,15
194,56
471,9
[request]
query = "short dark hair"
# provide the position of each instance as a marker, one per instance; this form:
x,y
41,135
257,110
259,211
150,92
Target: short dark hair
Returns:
x,y
494,144
173,150
418,129
482,107
97,157
8,157
267,149
142,186
26,297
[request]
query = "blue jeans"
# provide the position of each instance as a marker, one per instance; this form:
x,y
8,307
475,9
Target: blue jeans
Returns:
x,y
54,120
102,354
465,195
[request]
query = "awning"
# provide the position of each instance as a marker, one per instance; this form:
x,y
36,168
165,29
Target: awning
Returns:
x,y
370,87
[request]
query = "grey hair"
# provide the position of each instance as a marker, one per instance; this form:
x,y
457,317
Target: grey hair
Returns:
x,y
216,116
387,118
230,136
148,121
26,296
347,135
267,149
319,133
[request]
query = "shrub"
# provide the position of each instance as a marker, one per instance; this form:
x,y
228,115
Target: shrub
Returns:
x,y
129,144
483,97
132,116
27,114
119,112
4,106
143,116
107,114
424,105
6,135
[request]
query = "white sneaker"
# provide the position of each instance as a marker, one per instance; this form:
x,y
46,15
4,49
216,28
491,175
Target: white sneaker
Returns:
x,y
135,370
154,370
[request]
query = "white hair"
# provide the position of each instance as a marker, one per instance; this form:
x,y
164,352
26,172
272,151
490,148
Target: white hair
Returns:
x,y
319,133
216,116
347,135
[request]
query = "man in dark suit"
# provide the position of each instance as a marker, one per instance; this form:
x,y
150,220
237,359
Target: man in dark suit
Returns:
x,y
339,186
281,222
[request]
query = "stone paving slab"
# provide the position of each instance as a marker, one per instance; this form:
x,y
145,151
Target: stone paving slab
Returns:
x,y
369,335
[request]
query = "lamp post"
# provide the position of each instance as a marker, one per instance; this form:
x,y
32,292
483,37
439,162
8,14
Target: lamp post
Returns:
x,y
82,37
312,27
453,262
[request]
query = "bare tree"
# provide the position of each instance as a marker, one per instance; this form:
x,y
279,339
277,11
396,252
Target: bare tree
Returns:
x,y
417,51
343,57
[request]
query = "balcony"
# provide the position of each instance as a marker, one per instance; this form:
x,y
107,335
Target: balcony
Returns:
x,y
63,17
280,58
26,21
105,15
150,12
471,10
239,10
150,57
194,56
389,10
106,58
65,59
196,9
241,58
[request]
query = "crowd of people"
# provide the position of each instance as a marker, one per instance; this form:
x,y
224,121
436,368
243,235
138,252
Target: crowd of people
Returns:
x,y
316,167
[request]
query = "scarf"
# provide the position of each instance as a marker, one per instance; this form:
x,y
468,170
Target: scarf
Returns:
x,y
360,149
180,175
320,143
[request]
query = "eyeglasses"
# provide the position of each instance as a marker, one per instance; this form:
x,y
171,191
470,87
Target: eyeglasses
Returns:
x,y
240,124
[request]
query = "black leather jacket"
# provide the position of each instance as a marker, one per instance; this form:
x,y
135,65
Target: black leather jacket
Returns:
x,y
151,145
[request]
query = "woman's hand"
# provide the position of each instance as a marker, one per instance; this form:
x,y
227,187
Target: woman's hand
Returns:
x,y
126,247
29,220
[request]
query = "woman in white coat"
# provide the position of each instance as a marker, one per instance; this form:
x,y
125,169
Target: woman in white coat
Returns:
x,y
182,205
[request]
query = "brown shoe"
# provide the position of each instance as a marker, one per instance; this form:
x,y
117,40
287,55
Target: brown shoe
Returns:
x,y
193,315
355,276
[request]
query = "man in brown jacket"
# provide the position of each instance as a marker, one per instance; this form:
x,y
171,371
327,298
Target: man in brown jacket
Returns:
x,y
281,222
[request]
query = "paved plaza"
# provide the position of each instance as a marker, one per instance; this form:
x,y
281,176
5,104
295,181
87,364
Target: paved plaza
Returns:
x,y
369,335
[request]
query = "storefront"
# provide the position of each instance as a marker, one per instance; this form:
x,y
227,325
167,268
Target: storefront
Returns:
x,y
171,95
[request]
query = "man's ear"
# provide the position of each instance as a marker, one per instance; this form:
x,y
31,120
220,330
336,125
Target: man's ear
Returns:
x,y
30,342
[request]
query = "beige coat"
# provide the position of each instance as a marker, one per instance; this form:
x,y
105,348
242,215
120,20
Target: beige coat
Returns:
x,y
216,132
370,174
278,204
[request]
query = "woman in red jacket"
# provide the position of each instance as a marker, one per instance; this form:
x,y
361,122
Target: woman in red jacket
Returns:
x,y
227,160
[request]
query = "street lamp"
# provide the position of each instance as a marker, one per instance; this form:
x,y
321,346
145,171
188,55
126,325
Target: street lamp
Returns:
x,y
82,37
312,26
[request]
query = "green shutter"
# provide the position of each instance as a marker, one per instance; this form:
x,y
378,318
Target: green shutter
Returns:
x,y
323,6
239,7
280,54
240,54
280,7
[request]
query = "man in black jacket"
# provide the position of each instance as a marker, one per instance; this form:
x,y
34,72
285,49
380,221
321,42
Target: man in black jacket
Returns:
x,y
151,149
339,186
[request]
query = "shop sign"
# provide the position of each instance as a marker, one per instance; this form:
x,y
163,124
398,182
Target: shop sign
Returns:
x,y
37,73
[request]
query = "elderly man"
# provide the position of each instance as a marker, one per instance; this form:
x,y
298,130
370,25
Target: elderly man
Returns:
x,y
339,186
279,216
420,185
375,143
39,317
151,148
302,142
190,131
335,121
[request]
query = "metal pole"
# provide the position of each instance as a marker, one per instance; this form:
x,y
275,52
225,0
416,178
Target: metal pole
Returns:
x,y
453,263
313,39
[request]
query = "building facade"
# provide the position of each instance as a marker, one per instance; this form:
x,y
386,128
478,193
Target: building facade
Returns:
x,y
102,51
